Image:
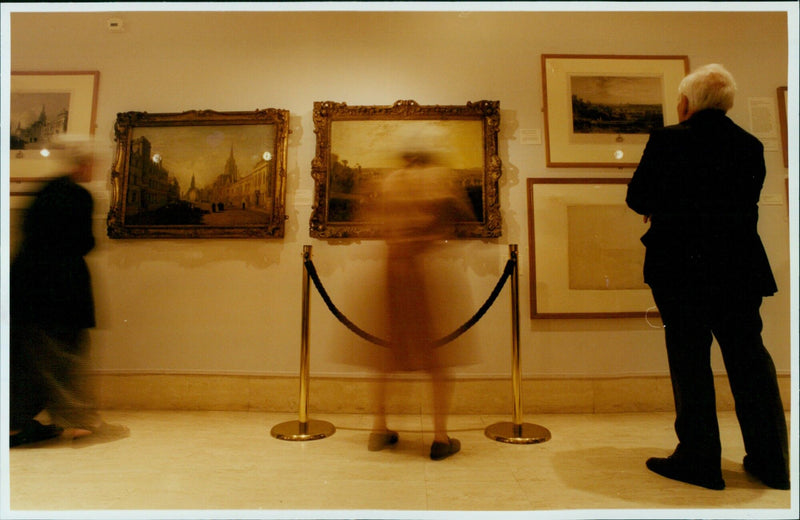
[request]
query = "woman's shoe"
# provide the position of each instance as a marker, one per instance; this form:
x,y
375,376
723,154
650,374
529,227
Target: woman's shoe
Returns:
x,y
442,450
380,440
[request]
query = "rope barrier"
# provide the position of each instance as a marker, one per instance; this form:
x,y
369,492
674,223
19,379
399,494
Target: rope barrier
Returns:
x,y
515,432
312,272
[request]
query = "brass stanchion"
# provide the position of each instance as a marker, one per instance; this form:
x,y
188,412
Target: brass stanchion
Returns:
x,y
516,432
304,429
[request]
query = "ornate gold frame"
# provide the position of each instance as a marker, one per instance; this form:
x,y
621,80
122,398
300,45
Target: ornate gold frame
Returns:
x,y
487,113
251,205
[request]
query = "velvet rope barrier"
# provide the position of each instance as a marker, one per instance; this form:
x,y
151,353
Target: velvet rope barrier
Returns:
x,y
515,432
507,272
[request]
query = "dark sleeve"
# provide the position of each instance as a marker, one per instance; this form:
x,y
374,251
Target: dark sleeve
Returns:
x,y
639,197
642,189
657,179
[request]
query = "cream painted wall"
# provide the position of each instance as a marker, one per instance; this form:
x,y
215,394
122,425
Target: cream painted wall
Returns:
x,y
233,306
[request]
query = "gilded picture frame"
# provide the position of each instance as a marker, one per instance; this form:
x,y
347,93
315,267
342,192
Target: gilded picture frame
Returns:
x,y
600,109
356,145
45,108
199,174
585,255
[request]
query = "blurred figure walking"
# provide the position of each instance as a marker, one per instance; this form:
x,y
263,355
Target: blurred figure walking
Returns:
x,y
418,208
51,310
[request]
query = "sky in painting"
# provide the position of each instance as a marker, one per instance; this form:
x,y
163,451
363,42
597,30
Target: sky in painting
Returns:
x,y
203,150
380,144
615,90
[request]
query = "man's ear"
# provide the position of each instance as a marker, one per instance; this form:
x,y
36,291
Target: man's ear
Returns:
x,y
683,108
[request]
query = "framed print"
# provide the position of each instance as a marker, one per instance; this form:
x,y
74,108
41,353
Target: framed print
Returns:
x,y
599,110
783,93
45,108
586,259
199,174
359,146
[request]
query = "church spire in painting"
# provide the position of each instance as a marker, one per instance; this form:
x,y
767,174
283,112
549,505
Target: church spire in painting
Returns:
x,y
231,170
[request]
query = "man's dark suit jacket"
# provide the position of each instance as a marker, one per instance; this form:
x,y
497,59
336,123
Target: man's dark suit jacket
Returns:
x,y
700,182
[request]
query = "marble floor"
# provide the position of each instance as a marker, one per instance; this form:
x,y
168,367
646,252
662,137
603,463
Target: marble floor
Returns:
x,y
227,465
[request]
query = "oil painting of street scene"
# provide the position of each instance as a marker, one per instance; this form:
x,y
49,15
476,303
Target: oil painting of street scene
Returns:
x,y
214,175
364,152
616,104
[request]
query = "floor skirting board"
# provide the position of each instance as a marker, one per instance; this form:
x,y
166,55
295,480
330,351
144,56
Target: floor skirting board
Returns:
x,y
342,395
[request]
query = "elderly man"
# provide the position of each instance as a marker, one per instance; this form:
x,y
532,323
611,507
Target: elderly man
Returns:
x,y
698,183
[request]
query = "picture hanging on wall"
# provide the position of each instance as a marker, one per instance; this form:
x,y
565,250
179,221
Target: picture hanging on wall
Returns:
x,y
586,258
46,110
359,146
599,110
783,93
199,174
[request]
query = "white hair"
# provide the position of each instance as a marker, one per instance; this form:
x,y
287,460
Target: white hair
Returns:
x,y
709,87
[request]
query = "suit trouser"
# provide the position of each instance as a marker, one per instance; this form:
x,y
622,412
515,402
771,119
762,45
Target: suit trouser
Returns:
x,y
691,317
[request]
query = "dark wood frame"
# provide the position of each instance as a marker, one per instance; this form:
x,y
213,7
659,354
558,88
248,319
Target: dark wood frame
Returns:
x,y
535,312
556,101
782,93
29,185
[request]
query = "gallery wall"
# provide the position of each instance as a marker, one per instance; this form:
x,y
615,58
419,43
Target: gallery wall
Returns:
x,y
233,306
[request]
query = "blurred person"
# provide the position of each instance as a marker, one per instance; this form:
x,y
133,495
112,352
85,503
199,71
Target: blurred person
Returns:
x,y
51,310
698,183
418,207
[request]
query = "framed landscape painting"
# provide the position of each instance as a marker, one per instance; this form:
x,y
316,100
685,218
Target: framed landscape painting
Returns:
x,y
358,146
199,174
599,110
586,258
45,110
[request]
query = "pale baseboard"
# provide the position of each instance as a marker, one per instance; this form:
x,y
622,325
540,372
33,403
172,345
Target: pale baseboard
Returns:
x,y
343,395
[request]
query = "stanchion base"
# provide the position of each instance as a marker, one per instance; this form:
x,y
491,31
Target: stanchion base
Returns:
x,y
512,433
303,431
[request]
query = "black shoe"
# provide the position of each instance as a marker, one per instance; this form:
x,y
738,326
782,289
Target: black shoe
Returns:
x,y
34,431
380,440
686,471
773,479
442,450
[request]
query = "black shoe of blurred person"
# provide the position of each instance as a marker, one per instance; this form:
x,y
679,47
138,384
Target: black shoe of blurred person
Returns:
x,y
380,440
686,470
442,450
772,478
34,431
